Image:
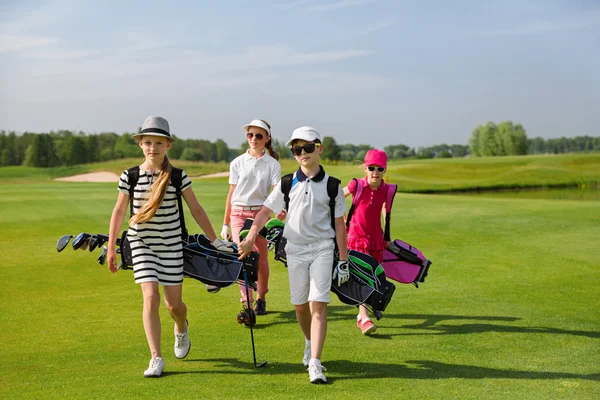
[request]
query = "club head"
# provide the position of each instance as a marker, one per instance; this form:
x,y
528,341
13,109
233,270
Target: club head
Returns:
x,y
79,240
262,364
102,256
63,242
93,243
86,243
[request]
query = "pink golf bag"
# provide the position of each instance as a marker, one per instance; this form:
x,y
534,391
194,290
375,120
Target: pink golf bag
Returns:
x,y
405,263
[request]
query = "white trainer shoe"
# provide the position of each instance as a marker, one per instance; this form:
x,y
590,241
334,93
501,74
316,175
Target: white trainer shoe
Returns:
x,y
155,369
315,372
306,358
182,342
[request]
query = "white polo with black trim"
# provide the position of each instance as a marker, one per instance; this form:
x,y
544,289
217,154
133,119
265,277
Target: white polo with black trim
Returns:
x,y
308,218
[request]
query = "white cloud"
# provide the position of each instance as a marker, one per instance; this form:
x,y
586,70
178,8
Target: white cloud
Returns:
x,y
12,43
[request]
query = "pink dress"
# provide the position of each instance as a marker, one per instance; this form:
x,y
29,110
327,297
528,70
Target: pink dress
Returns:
x,y
365,233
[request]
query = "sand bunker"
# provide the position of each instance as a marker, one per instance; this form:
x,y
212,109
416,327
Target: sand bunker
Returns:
x,y
91,177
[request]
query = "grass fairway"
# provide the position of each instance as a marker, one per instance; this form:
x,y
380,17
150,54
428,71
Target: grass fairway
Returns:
x,y
510,309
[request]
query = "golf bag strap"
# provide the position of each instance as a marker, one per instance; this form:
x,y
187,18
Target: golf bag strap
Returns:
x,y
286,187
177,181
133,174
355,196
391,193
332,191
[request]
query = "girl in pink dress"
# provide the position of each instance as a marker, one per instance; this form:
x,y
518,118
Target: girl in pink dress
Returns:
x,y
365,233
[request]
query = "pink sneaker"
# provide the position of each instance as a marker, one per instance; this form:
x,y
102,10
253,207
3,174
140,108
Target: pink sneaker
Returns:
x,y
366,326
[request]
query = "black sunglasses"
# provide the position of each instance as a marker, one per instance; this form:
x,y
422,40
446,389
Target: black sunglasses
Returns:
x,y
308,148
373,168
258,136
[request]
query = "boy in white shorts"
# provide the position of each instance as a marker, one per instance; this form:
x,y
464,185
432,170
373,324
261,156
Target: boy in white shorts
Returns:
x,y
310,243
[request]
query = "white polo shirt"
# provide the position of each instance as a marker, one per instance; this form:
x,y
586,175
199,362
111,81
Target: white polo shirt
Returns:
x,y
308,218
253,178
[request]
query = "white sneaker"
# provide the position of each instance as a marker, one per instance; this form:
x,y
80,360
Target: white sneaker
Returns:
x,y
306,358
315,372
155,369
182,342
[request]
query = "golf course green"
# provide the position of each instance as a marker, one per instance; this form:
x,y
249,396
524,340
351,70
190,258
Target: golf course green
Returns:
x,y
510,308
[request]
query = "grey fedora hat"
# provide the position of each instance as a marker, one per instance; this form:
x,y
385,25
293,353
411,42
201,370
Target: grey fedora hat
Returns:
x,y
155,126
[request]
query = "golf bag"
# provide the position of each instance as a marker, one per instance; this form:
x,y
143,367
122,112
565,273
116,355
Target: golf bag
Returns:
x,y
405,263
367,285
134,174
202,261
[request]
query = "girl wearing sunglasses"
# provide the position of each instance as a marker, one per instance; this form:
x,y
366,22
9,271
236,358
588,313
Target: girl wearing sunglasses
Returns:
x,y
251,178
365,233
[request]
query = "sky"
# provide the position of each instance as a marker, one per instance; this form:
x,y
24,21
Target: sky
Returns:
x,y
374,72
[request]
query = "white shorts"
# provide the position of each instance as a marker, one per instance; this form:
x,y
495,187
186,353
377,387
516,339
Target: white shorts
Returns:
x,y
310,267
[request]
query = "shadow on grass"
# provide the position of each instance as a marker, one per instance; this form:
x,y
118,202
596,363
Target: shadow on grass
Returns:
x,y
411,369
432,323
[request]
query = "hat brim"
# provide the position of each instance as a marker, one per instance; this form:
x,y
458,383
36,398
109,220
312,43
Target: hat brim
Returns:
x,y
169,138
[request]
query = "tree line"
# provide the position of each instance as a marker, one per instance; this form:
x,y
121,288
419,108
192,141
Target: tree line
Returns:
x,y
70,148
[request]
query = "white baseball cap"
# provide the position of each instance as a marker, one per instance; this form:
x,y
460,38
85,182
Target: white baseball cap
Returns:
x,y
307,133
258,123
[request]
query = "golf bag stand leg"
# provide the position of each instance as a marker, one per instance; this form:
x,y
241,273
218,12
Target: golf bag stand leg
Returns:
x,y
262,364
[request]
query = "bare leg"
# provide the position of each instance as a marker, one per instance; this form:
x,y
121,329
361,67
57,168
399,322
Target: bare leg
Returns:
x,y
304,319
318,327
176,306
151,317
363,312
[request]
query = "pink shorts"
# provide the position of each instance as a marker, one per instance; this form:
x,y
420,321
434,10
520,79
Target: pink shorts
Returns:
x,y
238,216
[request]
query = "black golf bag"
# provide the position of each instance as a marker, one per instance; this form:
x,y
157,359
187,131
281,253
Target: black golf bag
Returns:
x,y
367,285
202,261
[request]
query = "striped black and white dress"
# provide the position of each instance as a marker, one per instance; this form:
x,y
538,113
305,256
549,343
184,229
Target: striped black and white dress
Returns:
x,y
156,245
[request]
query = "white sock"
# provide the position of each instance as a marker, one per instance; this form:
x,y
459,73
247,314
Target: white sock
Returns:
x,y
314,361
307,342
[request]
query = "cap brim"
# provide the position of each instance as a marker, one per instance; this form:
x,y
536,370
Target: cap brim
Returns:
x,y
169,138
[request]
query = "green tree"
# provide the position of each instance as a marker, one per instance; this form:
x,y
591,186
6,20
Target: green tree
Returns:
x,y
126,147
191,155
221,150
331,151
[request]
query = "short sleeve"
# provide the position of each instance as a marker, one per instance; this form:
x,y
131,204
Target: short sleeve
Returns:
x,y
340,203
275,201
352,186
234,172
124,182
186,182
275,173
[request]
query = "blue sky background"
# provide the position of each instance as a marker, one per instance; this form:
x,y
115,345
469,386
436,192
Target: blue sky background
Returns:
x,y
363,71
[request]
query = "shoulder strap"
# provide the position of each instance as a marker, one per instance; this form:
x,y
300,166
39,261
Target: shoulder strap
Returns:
x,y
391,192
133,174
177,181
333,185
286,186
358,188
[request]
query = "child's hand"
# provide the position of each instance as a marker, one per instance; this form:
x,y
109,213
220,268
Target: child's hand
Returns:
x,y
222,245
244,248
225,232
341,272
111,257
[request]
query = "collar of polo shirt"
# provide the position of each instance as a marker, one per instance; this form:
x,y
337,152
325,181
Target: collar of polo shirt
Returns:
x,y
317,178
261,158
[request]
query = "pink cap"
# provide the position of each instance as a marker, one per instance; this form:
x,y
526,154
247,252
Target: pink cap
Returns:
x,y
376,157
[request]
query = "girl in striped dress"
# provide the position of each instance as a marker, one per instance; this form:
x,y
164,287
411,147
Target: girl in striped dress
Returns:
x,y
155,237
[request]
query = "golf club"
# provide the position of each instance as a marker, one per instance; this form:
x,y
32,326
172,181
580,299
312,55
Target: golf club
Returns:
x,y
94,241
63,242
262,364
80,241
102,256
